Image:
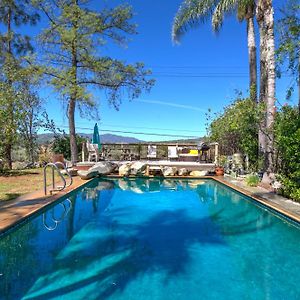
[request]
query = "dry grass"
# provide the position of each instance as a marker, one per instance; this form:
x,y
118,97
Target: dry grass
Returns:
x,y
16,183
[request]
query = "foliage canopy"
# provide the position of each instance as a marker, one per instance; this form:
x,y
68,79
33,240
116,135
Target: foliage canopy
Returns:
x,y
236,129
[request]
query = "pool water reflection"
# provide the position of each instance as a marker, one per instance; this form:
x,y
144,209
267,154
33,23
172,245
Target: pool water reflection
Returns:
x,y
152,239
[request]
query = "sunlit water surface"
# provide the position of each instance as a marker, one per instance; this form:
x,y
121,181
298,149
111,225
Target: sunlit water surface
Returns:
x,y
152,239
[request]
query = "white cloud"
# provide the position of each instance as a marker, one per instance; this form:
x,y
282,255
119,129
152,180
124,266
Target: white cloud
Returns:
x,y
182,106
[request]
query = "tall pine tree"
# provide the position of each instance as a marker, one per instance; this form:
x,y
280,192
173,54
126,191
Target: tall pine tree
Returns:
x,y
72,46
14,46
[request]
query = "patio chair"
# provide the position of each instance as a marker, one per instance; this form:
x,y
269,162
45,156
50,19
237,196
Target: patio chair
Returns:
x,y
172,152
152,150
93,152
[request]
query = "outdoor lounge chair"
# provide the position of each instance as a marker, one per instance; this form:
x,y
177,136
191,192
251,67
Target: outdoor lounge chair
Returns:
x,y
151,151
172,152
93,152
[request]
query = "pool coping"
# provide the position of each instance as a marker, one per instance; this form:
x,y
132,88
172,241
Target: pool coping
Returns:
x,y
261,200
21,209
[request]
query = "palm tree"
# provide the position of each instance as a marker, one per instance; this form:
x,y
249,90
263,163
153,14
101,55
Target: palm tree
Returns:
x,y
265,19
194,12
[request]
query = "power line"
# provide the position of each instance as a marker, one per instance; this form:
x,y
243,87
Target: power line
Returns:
x,y
197,67
183,75
143,127
198,76
155,128
141,133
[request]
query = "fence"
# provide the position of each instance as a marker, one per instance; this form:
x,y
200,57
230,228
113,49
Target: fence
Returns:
x,y
139,151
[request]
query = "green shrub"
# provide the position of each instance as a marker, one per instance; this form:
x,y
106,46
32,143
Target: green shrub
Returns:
x,y
61,145
287,137
236,129
252,180
290,188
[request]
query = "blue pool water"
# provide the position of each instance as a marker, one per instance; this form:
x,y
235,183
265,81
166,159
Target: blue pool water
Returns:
x,y
152,239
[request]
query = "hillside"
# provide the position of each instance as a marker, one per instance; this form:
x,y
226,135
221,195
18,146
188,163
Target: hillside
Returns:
x,y
46,138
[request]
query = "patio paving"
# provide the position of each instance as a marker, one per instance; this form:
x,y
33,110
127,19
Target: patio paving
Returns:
x,y
16,211
281,204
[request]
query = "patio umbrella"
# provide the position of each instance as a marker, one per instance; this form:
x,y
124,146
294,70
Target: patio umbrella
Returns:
x,y
96,137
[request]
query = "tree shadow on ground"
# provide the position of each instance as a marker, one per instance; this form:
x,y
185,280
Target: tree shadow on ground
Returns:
x,y
119,252
11,196
16,173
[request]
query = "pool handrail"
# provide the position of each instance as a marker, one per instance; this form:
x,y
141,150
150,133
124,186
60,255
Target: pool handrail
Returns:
x,y
55,166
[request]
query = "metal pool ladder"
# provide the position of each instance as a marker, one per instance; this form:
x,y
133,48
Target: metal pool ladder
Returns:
x,y
55,166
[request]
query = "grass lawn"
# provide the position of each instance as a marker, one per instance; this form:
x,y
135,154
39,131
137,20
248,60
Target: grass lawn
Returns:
x,y
15,183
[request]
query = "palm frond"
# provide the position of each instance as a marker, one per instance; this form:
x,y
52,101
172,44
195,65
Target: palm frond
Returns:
x,y
223,7
191,13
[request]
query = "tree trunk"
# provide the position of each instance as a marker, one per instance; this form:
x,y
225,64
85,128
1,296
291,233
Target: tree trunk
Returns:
x,y
262,98
252,58
72,103
10,111
73,144
299,86
265,18
271,110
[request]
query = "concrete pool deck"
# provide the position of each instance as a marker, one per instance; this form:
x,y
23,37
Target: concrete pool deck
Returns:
x,y
18,210
15,211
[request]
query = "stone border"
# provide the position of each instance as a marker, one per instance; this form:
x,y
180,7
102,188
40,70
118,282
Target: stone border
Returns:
x,y
26,206
261,200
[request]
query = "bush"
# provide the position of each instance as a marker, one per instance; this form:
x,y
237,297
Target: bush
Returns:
x,y
252,180
287,137
61,145
236,129
290,188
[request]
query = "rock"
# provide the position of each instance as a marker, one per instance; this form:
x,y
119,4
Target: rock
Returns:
x,y
155,171
18,165
169,171
103,167
268,179
183,172
85,175
198,173
276,185
72,172
138,168
124,170
68,163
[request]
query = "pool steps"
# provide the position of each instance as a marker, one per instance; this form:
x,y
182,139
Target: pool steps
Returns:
x,y
56,167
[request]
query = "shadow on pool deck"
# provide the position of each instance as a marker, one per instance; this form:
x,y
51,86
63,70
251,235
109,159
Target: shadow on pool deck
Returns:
x,y
102,261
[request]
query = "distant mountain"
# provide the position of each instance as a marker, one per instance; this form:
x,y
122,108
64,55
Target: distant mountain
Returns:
x,y
112,138
183,141
46,138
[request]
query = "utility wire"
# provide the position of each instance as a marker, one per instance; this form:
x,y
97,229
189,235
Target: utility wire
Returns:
x,y
140,133
198,76
155,128
183,75
196,67
143,127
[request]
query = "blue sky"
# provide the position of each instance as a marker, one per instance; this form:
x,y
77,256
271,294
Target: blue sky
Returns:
x,y
201,73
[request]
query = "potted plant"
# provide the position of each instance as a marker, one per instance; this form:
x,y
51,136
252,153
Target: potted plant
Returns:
x,y
219,169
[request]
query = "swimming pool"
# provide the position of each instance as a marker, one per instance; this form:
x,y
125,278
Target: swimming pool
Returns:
x,y
152,239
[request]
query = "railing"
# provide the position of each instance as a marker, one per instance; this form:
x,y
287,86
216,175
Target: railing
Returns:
x,y
56,220
55,166
139,151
